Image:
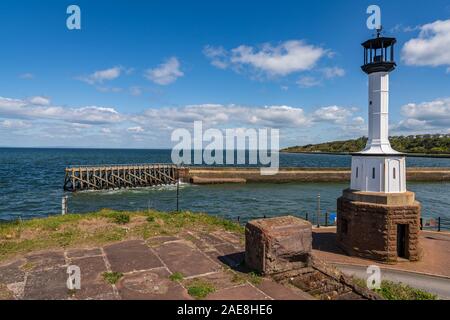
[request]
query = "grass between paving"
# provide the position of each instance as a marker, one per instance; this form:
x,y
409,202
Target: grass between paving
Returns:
x,y
112,277
200,288
251,277
177,276
398,291
102,227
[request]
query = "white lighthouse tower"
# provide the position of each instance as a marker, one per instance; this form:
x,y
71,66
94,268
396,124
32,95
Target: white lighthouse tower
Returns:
x,y
377,218
378,168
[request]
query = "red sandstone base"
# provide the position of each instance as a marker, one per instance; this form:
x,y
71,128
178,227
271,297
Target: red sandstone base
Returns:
x,y
278,244
377,231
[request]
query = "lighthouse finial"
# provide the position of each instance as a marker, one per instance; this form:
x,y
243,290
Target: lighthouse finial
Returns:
x,y
379,30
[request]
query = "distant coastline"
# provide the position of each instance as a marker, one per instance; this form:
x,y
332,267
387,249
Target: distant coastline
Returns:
x,y
413,155
421,146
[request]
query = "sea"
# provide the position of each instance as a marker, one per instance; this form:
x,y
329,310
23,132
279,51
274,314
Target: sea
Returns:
x,y
31,186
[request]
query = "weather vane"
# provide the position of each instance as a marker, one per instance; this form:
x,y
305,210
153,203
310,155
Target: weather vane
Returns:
x,y
379,30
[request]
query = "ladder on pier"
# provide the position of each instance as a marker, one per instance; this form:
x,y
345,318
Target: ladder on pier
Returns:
x,y
119,176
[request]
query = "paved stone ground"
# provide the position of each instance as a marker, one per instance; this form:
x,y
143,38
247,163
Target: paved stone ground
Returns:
x,y
146,267
435,245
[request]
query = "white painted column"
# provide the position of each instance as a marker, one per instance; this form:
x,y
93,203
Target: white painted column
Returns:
x,y
378,109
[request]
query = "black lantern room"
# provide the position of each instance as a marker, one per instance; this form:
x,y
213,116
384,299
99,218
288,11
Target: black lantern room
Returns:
x,y
379,54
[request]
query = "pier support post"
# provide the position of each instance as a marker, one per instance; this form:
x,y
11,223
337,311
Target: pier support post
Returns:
x,y
64,205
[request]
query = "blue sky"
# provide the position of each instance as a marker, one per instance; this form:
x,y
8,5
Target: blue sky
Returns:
x,y
137,70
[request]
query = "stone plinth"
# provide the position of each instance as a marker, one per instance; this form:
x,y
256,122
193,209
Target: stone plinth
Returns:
x,y
278,244
400,199
382,227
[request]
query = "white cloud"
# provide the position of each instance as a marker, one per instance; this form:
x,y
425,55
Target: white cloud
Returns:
x,y
333,114
8,103
401,28
226,115
278,116
92,114
14,124
333,72
109,89
281,60
432,46
103,126
270,60
217,55
411,125
166,73
426,117
135,129
358,121
39,101
308,82
15,108
436,112
100,76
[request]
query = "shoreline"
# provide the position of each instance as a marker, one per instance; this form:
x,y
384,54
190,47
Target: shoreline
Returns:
x,y
411,155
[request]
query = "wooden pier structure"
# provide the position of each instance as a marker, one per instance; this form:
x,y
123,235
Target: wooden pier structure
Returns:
x,y
119,176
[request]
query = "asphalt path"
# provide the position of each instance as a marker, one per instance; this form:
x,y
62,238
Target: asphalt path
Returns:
x,y
433,284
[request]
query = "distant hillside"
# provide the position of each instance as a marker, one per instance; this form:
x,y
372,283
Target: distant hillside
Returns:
x,y
420,144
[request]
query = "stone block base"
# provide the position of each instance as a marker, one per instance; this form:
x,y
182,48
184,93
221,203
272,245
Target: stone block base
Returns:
x,y
278,244
379,231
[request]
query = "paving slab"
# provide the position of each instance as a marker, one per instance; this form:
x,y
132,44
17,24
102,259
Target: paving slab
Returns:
x,y
129,256
47,284
93,286
243,292
230,237
151,285
91,269
96,291
220,280
155,241
12,272
210,239
146,271
279,292
227,249
45,260
84,252
234,260
200,244
180,257
213,254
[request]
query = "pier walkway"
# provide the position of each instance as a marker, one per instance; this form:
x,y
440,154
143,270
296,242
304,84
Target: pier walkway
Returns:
x,y
119,176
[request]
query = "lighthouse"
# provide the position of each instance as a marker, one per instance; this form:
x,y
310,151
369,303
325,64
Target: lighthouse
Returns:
x,y
378,168
377,218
